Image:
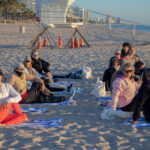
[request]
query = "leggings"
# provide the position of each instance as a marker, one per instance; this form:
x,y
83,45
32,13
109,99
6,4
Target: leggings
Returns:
x,y
12,119
34,95
130,107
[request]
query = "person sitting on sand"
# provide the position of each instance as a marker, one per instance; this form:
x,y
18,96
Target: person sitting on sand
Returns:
x,y
134,60
42,66
117,55
125,49
143,99
124,89
9,99
37,93
114,66
31,71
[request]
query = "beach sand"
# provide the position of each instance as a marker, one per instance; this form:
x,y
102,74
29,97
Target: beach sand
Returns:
x,y
83,127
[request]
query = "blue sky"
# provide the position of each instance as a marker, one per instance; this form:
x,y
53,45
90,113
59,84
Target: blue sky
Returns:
x,y
134,10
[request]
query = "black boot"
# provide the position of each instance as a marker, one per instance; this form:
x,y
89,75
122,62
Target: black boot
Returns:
x,y
68,75
53,99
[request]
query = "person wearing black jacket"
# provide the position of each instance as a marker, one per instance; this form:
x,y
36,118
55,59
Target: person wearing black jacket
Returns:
x,y
113,67
125,49
143,99
42,66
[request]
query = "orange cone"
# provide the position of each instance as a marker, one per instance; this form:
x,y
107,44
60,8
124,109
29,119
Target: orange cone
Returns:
x,y
39,43
45,42
81,42
72,43
78,43
75,42
60,42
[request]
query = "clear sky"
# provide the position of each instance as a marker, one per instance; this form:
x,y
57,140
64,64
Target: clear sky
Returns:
x,y
134,10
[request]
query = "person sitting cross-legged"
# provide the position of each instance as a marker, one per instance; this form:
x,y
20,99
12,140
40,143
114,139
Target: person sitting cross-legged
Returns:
x,y
9,99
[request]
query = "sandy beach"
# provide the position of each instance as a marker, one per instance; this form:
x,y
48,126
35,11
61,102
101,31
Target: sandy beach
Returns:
x,y
83,127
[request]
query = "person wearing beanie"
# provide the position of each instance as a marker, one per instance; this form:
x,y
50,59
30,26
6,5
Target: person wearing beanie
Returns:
x,y
29,70
9,99
37,93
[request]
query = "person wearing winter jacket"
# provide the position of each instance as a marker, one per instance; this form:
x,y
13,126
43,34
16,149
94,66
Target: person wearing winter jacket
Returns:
x,y
42,67
109,73
117,56
31,71
134,60
124,89
37,92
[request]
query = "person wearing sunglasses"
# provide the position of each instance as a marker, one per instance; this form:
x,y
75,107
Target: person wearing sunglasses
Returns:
x,y
143,99
42,67
31,71
124,89
9,99
117,56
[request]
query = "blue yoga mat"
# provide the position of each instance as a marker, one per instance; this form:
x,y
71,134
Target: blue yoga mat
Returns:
x,y
42,123
141,123
33,110
105,99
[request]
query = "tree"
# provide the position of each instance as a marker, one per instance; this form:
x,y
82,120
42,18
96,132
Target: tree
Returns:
x,y
8,7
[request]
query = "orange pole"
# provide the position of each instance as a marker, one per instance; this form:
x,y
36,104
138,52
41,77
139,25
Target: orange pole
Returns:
x,y
81,42
78,43
39,43
60,41
72,43
75,42
45,42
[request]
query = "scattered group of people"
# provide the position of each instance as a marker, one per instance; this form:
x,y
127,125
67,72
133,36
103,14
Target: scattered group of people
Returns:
x,y
126,77
29,83
129,81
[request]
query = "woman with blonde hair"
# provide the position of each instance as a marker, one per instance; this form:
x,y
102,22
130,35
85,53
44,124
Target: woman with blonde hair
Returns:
x,y
124,89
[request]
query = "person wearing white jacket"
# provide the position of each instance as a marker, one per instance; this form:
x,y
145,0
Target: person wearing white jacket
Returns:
x,y
9,99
